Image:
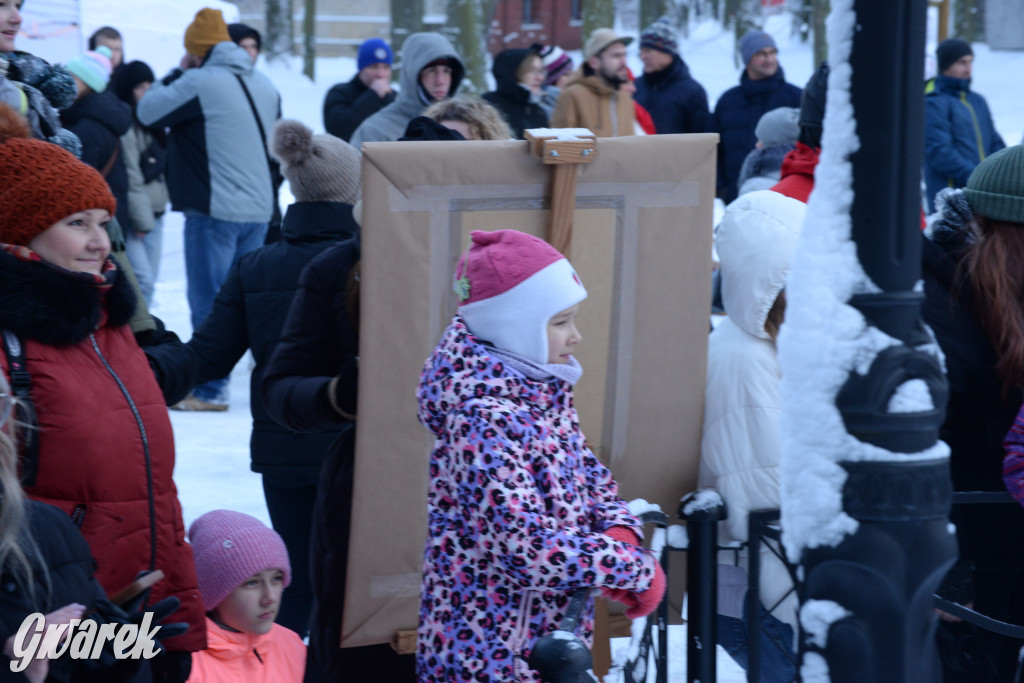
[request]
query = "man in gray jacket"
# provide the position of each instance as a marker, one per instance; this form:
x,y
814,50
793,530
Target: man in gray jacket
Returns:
x,y
219,111
430,71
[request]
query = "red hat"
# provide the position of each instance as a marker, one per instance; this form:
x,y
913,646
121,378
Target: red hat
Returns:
x,y
42,183
510,285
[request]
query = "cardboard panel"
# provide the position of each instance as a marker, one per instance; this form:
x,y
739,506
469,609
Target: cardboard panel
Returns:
x,y
641,243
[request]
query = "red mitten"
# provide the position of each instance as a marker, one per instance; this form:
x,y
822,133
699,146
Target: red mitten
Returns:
x,y
648,601
619,595
623,534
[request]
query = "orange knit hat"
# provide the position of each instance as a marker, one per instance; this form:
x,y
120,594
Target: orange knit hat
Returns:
x,y
205,31
42,183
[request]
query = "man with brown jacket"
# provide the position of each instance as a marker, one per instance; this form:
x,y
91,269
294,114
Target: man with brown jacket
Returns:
x,y
593,98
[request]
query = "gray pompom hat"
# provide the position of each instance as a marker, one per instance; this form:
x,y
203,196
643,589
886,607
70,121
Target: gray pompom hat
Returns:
x,y
319,168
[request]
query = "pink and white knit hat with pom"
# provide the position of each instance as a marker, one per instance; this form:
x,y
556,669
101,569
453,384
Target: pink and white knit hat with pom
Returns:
x,y
510,285
229,547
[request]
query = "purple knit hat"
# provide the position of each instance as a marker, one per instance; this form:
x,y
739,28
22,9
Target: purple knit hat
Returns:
x,y
229,547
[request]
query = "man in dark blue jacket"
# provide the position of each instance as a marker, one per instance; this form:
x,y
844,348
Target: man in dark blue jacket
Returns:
x,y
349,104
762,87
959,132
676,102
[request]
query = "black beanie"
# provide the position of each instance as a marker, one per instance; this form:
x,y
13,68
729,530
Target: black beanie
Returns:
x,y
129,76
240,31
950,50
812,107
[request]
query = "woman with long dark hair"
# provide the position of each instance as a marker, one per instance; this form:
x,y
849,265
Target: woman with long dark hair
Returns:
x,y
973,261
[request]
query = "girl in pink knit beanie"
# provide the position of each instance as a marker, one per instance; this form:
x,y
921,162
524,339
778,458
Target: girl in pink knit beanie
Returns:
x,y
243,568
521,514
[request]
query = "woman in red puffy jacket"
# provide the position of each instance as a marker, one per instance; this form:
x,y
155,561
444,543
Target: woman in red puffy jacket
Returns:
x,y
105,449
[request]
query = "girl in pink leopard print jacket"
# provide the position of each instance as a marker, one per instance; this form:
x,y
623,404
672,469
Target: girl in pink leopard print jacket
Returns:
x,y
520,512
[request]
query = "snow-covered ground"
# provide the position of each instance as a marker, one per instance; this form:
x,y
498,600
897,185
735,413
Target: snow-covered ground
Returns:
x,y
213,448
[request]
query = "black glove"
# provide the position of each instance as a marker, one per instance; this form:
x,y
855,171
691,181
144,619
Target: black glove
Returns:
x,y
107,612
342,390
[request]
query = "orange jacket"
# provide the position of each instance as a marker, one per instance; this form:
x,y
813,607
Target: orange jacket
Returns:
x,y
277,657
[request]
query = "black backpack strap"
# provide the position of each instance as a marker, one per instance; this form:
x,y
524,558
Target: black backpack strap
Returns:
x,y
21,382
263,133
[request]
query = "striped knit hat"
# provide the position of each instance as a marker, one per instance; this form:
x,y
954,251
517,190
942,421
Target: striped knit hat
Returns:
x,y
93,68
996,187
660,35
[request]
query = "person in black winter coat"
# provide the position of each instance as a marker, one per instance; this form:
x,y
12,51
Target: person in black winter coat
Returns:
x,y
520,76
249,313
99,119
973,255
349,104
675,100
762,87
46,568
310,385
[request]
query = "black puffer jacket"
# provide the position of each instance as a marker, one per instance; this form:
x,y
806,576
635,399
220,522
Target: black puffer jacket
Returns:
x,y
249,313
99,120
346,105
676,101
320,342
63,575
512,99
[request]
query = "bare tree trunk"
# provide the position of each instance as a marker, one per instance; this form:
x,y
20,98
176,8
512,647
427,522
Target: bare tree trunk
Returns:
x,y
277,42
597,14
465,28
406,18
652,10
309,40
821,10
969,20
803,20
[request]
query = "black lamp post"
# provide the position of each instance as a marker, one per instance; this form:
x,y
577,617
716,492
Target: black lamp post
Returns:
x,y
886,572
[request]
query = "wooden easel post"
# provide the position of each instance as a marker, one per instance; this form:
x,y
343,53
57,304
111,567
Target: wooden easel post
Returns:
x,y
565,149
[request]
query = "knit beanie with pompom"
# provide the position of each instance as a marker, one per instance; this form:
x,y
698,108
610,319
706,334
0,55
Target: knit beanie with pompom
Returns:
x,y
995,188
229,547
509,286
43,183
319,168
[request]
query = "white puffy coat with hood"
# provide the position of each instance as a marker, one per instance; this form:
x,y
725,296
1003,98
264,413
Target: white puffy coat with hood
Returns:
x,y
740,445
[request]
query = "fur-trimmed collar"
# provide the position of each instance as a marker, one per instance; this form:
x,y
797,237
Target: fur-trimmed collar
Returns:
x,y
57,307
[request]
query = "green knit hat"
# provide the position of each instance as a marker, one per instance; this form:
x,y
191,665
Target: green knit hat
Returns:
x,y
996,187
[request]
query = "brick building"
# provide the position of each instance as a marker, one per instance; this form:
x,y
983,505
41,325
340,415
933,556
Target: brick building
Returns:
x,y
343,24
520,23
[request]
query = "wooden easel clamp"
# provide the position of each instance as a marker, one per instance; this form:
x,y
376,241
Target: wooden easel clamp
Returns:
x,y
565,149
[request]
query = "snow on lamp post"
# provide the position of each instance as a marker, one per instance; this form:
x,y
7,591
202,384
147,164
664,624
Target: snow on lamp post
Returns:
x,y
865,480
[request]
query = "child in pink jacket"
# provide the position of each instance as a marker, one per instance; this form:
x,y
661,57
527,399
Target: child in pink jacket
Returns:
x,y
243,568
521,514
